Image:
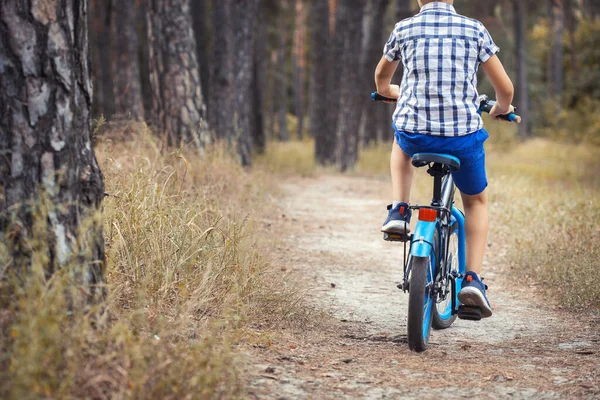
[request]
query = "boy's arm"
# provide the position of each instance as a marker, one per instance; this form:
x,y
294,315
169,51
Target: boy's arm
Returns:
x,y
383,78
502,84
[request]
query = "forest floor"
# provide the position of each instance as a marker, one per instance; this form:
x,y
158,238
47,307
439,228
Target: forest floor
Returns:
x,y
330,242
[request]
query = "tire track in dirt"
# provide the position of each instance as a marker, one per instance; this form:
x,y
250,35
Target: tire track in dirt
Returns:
x,y
330,238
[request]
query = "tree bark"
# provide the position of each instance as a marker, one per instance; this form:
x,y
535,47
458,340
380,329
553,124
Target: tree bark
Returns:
x,y
199,21
127,87
555,54
244,14
350,91
282,86
144,54
100,35
221,106
258,85
374,122
177,104
522,100
334,76
48,172
319,84
299,66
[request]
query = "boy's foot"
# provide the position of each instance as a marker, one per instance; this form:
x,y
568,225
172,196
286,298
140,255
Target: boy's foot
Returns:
x,y
398,220
473,294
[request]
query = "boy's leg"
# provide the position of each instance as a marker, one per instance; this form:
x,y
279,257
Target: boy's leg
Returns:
x,y
398,218
473,290
402,174
476,229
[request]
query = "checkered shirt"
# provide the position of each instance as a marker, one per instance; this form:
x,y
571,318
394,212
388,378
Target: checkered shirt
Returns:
x,y
441,52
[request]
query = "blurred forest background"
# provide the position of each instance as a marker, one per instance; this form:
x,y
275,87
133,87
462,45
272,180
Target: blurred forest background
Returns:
x,y
250,71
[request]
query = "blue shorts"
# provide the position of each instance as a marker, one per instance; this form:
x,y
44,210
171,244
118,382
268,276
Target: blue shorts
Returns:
x,y
472,178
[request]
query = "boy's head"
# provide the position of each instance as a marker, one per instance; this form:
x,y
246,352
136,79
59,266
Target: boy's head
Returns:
x,y
423,2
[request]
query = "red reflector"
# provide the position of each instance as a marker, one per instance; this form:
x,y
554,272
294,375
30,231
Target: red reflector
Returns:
x,y
427,214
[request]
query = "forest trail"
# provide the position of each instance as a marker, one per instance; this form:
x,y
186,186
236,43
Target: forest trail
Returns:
x,y
330,238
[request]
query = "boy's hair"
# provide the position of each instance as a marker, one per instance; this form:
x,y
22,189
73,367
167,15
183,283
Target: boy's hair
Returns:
x,y
431,1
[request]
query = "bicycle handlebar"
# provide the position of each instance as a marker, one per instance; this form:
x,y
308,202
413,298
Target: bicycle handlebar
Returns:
x,y
485,105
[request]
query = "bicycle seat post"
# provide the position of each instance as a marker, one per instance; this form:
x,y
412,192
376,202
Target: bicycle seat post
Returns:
x,y
438,171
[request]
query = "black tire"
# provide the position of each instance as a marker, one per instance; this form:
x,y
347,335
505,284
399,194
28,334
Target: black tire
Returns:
x,y
417,338
437,322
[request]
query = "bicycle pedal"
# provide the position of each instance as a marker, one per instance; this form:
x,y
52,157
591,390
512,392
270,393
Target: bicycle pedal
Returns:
x,y
469,313
396,237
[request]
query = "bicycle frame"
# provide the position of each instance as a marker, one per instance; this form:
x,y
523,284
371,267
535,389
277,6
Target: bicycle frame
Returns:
x,y
423,242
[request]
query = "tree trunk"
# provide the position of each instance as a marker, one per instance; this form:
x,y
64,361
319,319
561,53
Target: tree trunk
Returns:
x,y
372,126
258,85
127,87
350,91
244,14
48,172
221,106
199,21
282,95
274,67
519,16
404,9
142,11
177,104
299,66
333,95
555,55
100,43
570,20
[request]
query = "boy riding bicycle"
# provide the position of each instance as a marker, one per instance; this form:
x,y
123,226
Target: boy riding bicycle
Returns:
x,y
436,112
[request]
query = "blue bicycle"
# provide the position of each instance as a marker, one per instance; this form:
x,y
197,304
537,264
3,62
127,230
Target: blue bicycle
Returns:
x,y
435,266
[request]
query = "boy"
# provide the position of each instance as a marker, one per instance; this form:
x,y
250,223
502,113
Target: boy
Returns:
x,y
436,112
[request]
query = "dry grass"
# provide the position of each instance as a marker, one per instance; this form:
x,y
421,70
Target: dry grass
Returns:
x,y
293,157
186,269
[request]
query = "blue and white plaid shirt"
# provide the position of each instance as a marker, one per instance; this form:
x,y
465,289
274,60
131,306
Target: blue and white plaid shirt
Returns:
x,y
441,52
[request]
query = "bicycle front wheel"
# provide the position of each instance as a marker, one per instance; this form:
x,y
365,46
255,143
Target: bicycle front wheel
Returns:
x,y
420,303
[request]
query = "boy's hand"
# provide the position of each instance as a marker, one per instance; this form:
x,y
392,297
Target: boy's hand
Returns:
x,y
393,92
498,110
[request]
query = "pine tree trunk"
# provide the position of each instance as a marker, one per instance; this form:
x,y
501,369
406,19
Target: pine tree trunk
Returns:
x,y
522,100
258,85
244,14
299,66
373,113
127,86
319,84
45,140
555,55
334,76
282,81
199,21
177,103
221,106
350,91
570,20
100,43
142,11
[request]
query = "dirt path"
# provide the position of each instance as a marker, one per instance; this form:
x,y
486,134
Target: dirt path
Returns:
x,y
330,238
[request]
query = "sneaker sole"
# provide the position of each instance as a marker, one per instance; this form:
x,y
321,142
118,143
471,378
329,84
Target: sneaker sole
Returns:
x,y
471,296
396,227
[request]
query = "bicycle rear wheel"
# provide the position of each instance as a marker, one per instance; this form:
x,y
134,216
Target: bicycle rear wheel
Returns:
x,y
420,303
442,314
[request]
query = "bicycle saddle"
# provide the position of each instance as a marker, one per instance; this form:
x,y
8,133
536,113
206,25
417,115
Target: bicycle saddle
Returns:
x,y
422,159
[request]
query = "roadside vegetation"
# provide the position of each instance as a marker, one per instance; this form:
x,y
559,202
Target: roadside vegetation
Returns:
x,y
187,268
